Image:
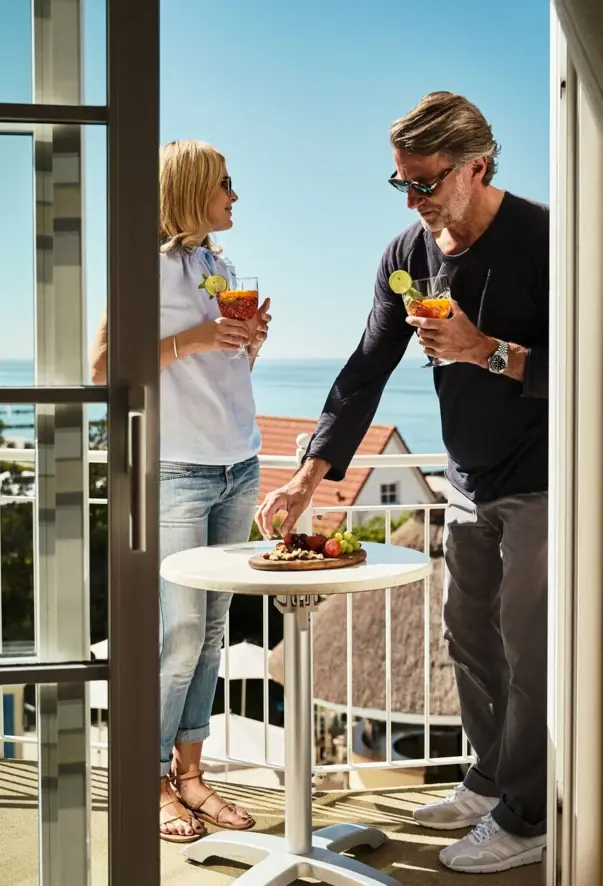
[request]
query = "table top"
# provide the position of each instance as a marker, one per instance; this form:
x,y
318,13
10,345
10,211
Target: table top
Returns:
x,y
227,568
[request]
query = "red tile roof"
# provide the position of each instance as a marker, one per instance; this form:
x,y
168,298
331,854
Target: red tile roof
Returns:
x,y
279,437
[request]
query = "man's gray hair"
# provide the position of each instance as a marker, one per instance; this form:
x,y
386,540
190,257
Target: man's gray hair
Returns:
x,y
446,123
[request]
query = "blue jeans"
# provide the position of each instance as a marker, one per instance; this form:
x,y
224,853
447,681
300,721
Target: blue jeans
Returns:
x,y
199,505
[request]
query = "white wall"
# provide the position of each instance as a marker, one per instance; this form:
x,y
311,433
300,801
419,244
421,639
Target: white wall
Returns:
x,y
411,489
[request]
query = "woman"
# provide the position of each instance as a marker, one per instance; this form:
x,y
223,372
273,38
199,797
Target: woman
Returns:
x,y
209,477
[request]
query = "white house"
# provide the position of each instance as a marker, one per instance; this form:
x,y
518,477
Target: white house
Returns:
x,y
361,486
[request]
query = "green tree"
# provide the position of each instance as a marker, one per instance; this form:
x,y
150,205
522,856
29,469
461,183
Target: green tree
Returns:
x,y
374,529
99,538
16,556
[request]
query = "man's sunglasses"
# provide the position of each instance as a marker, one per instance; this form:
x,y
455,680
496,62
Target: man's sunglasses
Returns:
x,y
404,185
226,184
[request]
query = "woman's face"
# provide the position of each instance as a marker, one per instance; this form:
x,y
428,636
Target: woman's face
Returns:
x,y
219,211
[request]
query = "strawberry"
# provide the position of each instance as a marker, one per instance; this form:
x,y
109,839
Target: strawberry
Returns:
x,y
332,548
316,543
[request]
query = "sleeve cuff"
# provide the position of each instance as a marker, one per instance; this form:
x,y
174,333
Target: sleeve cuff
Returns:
x,y
316,449
536,373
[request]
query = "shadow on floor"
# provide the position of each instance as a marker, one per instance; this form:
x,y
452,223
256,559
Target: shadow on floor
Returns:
x,y
410,856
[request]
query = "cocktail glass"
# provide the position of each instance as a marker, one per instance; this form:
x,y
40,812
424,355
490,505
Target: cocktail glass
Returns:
x,y
429,297
239,302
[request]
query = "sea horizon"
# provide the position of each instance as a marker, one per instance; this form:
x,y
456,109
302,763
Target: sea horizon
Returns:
x,y
289,387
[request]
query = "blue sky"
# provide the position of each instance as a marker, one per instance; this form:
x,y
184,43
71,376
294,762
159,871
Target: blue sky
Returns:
x,y
299,96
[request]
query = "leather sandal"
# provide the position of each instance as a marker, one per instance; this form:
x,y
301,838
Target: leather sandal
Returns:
x,y
197,808
188,819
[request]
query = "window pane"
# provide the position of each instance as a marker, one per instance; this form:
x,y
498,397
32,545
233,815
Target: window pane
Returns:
x,y
57,177
16,259
17,554
62,29
47,342
95,52
53,781
53,535
15,51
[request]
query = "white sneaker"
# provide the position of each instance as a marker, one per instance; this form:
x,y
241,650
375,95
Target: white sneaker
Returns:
x,y
489,848
460,809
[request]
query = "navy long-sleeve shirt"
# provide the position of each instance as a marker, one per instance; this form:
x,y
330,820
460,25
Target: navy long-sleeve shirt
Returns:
x,y
495,429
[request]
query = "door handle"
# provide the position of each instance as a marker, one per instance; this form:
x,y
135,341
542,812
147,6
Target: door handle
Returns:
x,y
137,469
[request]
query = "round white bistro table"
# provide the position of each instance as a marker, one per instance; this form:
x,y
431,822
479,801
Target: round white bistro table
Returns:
x,y
279,861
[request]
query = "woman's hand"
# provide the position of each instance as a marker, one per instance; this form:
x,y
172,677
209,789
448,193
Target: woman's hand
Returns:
x,y
221,334
258,328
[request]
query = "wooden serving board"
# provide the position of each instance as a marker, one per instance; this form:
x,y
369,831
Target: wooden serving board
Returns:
x,y
259,562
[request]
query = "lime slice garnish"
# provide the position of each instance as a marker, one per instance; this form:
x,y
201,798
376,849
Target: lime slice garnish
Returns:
x,y
215,284
400,282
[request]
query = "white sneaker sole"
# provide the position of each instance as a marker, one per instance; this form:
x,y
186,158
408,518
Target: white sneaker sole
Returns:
x,y
530,856
450,825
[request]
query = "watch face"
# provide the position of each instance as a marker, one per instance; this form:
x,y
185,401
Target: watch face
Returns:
x,y
498,363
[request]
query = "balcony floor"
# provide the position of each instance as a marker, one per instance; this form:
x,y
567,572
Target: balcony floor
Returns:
x,y
410,857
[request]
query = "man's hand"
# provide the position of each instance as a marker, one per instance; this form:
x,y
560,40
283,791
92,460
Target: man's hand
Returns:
x,y
293,498
258,328
454,339
290,498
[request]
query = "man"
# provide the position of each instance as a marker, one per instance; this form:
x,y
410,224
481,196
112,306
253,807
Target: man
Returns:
x,y
493,402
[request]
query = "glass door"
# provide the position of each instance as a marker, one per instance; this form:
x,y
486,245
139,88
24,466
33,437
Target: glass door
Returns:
x,y
79,138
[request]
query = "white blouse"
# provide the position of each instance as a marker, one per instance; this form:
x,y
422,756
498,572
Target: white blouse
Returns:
x,y
207,405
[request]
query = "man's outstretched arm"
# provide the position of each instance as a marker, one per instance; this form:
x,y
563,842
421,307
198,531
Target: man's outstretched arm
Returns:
x,y
349,409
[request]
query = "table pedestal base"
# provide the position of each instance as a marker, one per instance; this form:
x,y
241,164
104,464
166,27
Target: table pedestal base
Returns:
x,y
300,853
276,865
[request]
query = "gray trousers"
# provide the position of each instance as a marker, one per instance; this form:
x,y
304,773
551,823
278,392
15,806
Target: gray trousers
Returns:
x,y
495,623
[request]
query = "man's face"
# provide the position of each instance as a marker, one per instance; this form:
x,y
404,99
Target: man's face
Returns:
x,y
451,200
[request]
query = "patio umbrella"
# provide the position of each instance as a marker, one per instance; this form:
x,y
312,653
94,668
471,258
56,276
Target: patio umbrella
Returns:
x,y
99,691
246,741
99,695
100,650
245,662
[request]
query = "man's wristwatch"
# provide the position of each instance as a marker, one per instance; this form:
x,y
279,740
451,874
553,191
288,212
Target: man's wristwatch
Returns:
x,y
498,362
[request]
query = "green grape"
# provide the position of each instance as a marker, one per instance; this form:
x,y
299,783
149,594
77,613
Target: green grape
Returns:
x,y
348,535
338,536
356,545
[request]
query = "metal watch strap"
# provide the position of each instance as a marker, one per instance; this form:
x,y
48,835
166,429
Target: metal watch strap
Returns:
x,y
499,360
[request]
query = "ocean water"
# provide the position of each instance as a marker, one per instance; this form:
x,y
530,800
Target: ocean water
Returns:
x,y
292,388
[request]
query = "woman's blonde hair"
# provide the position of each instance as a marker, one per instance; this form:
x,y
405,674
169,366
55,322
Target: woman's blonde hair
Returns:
x,y
447,122
190,174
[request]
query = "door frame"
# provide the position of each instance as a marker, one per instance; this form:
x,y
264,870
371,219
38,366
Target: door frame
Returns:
x,y
131,118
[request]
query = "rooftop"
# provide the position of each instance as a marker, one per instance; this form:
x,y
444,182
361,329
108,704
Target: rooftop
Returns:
x,y
279,435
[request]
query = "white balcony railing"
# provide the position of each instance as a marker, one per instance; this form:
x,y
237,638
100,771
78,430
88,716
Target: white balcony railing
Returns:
x,y
348,710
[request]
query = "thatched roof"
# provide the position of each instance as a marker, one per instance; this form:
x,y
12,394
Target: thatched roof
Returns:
x,y
368,633
412,533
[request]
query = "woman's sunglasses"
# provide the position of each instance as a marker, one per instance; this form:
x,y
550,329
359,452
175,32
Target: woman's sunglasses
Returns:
x,y
404,185
226,184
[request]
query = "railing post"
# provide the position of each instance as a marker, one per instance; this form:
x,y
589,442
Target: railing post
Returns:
x,y
304,524
304,521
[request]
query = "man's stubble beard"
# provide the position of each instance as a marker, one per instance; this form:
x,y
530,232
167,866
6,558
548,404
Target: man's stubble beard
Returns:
x,y
454,213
